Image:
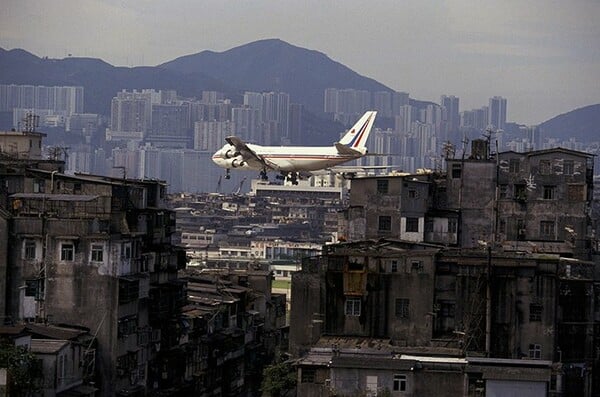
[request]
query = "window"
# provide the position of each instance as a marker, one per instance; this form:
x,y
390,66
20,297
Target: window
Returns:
x,y
456,171
399,382
568,167
452,225
29,248
394,266
127,325
545,167
412,193
416,267
535,312
514,166
402,307
412,225
385,223
39,185
352,306
547,230
549,192
308,375
382,186
371,383
67,252
31,288
535,351
520,191
97,253
127,250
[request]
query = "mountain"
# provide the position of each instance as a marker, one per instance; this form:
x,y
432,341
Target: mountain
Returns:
x,y
274,65
100,80
583,124
265,65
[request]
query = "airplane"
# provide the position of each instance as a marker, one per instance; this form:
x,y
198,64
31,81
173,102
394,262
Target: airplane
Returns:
x,y
292,161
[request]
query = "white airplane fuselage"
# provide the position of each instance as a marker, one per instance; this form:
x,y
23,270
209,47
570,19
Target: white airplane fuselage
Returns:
x,y
283,158
295,159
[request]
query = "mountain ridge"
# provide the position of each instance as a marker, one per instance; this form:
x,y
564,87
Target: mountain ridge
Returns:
x,y
263,65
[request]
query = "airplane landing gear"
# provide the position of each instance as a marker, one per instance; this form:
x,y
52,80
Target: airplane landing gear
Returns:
x,y
293,177
264,176
227,173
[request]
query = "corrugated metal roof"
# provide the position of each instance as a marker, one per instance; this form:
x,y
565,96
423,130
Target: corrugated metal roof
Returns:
x,y
47,346
55,197
55,332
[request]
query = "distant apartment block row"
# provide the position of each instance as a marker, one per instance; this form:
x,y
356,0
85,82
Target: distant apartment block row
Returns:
x,y
347,102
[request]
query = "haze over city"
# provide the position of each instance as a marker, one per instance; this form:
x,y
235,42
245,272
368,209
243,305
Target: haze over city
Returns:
x,y
542,56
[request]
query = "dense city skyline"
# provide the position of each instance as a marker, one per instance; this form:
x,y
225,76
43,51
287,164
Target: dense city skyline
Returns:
x,y
540,56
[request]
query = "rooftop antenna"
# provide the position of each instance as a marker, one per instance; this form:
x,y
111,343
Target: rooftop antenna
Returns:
x,y
488,137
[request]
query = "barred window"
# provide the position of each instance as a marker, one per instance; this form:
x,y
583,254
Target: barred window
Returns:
x,y
29,248
412,224
547,230
385,223
535,312
382,186
402,307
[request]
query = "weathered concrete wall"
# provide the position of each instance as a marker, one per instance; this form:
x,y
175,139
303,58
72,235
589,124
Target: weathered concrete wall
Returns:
x,y
306,319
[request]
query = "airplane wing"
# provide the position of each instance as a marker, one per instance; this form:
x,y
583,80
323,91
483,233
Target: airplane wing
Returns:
x,y
248,154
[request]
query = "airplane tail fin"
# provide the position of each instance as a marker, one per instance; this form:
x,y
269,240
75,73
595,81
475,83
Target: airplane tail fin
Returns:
x,y
356,137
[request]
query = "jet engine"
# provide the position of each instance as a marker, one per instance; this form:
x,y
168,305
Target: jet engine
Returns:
x,y
235,162
228,153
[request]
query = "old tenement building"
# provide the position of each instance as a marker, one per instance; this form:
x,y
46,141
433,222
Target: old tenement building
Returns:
x,y
92,252
481,280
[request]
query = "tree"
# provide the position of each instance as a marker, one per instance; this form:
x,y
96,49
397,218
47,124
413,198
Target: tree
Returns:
x,y
24,369
278,379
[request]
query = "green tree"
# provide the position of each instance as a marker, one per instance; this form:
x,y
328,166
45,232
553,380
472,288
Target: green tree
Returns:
x,y
24,370
278,379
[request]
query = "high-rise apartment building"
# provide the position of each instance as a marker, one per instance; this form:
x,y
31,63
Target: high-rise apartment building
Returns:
x,y
399,99
295,121
210,135
497,113
247,123
346,104
130,116
276,107
450,115
382,102
65,100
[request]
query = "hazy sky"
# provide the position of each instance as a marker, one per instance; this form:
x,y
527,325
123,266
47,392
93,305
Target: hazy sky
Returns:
x,y
542,55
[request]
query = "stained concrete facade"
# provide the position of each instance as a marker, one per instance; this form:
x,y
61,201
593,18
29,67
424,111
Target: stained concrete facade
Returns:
x,y
424,300
96,252
537,201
